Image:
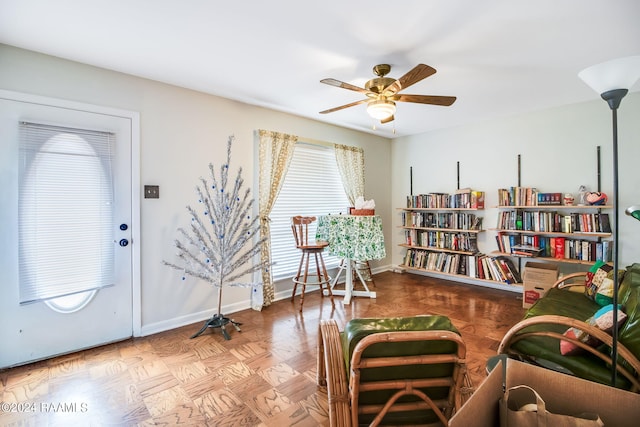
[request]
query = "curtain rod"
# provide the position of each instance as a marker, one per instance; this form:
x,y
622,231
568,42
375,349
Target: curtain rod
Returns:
x,y
303,139
316,141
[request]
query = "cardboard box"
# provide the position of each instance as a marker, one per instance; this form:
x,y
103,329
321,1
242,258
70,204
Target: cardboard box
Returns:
x,y
538,278
563,394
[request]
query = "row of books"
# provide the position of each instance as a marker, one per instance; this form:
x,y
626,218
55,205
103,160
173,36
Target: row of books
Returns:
x,y
554,222
456,220
554,247
479,266
527,196
517,196
462,199
442,262
464,242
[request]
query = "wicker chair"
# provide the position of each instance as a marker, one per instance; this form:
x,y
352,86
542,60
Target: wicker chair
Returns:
x,y
402,371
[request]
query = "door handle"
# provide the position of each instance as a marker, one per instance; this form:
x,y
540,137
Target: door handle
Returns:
x,y
123,242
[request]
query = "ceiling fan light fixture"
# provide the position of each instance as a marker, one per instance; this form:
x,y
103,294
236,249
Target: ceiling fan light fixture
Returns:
x,y
381,109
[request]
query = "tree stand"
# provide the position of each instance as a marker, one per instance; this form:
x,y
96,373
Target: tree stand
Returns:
x,y
219,321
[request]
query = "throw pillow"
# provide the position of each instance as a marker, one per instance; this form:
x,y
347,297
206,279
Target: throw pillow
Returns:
x,y
567,348
602,319
600,289
589,279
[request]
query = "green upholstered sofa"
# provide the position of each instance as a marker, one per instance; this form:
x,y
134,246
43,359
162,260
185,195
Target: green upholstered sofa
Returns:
x,y
536,339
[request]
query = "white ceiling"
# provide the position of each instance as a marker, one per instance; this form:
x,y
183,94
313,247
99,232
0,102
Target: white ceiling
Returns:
x,y
499,57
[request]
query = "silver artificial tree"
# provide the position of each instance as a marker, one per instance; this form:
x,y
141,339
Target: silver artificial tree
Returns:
x,y
222,243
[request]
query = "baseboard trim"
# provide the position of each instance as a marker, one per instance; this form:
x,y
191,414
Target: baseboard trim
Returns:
x,y
201,316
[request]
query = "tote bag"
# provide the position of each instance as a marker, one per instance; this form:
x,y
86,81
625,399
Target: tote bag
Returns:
x,y
522,406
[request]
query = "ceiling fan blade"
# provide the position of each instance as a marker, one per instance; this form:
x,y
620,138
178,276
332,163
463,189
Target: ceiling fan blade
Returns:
x,y
426,99
338,83
419,72
331,110
388,119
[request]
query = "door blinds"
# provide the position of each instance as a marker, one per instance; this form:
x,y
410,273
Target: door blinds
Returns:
x,y
65,211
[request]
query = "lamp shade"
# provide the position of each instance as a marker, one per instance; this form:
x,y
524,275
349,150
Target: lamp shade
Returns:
x,y
633,211
621,73
381,109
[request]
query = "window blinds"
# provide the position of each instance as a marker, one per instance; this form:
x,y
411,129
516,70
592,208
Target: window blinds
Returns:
x,y
312,187
65,211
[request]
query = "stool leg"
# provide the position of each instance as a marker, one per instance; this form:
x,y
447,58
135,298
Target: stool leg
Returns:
x,y
304,280
318,273
296,279
370,274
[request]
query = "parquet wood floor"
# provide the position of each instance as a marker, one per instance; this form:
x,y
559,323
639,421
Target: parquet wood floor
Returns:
x,y
264,376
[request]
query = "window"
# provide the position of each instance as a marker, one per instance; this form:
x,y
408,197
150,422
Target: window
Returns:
x,y
65,205
312,187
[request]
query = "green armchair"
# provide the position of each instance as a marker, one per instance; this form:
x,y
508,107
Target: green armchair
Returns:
x,y
401,371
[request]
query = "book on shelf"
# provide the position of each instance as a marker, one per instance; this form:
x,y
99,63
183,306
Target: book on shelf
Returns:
x,y
549,199
443,262
553,222
510,266
560,247
606,251
590,222
603,220
499,269
471,266
464,198
586,250
448,240
494,270
477,200
525,250
517,196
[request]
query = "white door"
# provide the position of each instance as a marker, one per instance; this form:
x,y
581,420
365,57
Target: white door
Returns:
x,y
49,327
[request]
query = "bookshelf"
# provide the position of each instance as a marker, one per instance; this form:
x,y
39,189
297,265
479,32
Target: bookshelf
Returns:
x,y
555,233
540,225
441,236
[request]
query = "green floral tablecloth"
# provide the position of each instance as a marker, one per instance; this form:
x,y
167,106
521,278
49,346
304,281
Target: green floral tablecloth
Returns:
x,y
351,236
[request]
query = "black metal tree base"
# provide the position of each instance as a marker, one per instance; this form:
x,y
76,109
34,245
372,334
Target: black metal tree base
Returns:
x,y
219,321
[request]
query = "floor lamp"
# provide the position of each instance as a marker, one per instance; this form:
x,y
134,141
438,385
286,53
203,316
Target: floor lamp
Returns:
x,y
612,80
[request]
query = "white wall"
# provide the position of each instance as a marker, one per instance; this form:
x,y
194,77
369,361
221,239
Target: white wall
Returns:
x,y
558,154
182,131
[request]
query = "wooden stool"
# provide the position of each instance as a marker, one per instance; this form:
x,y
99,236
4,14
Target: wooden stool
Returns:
x,y
300,227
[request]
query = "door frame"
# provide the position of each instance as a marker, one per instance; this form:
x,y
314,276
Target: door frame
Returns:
x,y
134,118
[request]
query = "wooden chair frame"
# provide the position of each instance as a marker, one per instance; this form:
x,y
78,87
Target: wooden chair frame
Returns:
x,y
343,392
300,228
515,334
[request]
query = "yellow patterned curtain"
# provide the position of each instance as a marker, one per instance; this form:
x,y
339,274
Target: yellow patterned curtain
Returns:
x,y
276,151
351,166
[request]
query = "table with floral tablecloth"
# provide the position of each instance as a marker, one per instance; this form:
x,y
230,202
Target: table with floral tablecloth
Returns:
x,y
354,238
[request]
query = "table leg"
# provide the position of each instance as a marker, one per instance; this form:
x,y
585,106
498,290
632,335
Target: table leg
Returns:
x,y
348,291
348,282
